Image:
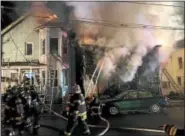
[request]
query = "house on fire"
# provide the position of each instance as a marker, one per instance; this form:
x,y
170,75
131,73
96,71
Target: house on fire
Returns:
x,y
35,45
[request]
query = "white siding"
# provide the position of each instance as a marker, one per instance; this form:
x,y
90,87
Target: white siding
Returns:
x,y
21,33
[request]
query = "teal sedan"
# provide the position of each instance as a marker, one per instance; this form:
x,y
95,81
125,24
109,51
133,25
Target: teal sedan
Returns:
x,y
134,101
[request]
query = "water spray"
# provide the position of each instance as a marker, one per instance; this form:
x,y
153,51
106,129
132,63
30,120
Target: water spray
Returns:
x,y
100,70
91,80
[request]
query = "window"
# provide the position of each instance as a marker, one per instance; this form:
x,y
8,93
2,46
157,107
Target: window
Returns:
x,y
144,94
122,95
179,81
43,77
28,49
132,95
14,76
43,46
180,63
54,46
64,45
66,79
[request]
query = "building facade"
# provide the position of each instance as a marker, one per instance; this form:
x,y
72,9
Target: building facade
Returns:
x,y
36,50
174,73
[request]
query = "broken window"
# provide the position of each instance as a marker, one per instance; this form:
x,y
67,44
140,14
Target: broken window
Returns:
x,y
64,45
180,62
179,81
28,49
43,46
54,46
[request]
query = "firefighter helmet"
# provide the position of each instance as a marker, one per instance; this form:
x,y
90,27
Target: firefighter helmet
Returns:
x,y
76,89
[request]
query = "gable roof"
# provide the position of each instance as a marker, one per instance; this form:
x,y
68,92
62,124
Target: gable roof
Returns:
x,y
35,12
16,22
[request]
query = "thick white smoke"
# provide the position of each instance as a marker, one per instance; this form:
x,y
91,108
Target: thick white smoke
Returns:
x,y
130,43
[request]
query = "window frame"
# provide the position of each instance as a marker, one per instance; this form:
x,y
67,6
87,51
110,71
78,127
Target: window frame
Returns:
x,y
43,46
179,77
26,53
52,45
180,63
64,45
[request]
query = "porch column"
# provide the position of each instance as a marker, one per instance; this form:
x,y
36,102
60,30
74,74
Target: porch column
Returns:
x,y
19,75
47,50
60,62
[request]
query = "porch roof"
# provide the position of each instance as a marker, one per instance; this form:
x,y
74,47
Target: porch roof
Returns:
x,y
22,64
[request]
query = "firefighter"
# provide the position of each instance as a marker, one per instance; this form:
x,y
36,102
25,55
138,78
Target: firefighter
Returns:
x,y
77,112
94,106
7,111
32,108
171,130
16,106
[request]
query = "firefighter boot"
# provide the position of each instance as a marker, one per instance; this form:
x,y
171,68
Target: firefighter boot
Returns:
x,y
35,129
86,133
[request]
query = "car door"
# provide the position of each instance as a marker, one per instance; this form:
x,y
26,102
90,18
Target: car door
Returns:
x,y
146,99
129,101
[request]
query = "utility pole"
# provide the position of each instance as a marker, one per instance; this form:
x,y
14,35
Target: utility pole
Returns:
x,y
71,58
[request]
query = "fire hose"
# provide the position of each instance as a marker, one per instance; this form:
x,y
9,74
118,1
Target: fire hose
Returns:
x,y
106,128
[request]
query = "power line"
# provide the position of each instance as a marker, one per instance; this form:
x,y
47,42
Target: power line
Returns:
x,y
122,24
153,4
18,47
116,24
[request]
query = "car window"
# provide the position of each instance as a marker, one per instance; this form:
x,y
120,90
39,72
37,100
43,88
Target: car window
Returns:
x,y
127,95
145,94
122,95
132,95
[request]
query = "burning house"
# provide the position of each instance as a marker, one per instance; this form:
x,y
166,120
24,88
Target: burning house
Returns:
x,y
145,78
35,45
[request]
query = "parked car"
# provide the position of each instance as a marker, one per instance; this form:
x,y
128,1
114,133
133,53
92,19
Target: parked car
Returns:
x,y
134,101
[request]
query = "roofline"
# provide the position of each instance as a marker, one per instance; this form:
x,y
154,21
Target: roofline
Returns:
x,y
45,25
17,21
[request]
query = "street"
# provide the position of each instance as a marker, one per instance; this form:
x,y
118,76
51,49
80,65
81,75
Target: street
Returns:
x,y
174,116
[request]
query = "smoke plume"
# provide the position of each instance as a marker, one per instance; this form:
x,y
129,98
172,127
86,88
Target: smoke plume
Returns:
x,y
128,43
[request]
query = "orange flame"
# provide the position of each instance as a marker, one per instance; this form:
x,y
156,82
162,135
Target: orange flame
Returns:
x,y
87,40
42,13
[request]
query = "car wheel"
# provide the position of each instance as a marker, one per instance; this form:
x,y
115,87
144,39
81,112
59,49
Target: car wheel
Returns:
x,y
155,108
113,110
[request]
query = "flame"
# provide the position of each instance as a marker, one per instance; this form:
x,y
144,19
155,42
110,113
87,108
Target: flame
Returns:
x,y
42,13
87,40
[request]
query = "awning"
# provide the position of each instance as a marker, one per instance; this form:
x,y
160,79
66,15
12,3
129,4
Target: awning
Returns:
x,y
65,66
